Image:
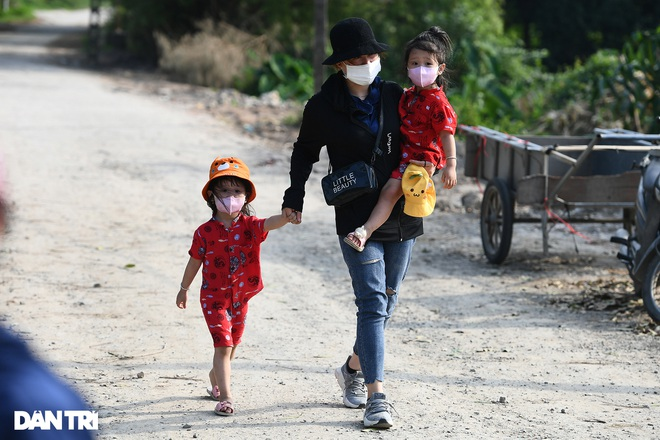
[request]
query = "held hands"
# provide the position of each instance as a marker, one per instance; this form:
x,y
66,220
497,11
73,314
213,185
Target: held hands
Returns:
x,y
292,215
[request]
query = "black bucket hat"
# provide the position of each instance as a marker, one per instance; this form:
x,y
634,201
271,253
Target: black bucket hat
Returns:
x,y
350,38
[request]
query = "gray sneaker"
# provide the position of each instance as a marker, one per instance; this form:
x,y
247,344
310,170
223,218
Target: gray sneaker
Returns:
x,y
377,413
352,387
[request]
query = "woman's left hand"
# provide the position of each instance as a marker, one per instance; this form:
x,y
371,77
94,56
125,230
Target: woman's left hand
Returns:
x,y
292,215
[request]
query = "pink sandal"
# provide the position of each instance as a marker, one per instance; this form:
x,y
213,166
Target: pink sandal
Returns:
x,y
357,239
224,408
214,392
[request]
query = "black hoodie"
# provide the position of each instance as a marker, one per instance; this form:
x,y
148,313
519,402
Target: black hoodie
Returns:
x,y
329,120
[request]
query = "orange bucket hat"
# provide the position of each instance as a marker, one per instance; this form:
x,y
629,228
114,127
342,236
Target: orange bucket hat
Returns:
x,y
230,166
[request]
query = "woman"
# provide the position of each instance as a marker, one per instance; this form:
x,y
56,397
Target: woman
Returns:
x,y
345,117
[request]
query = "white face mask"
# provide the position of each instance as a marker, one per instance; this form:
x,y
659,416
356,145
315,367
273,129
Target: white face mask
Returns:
x,y
229,205
423,76
363,75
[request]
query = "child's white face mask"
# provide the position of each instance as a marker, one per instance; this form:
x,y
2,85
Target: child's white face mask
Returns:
x,y
229,205
423,76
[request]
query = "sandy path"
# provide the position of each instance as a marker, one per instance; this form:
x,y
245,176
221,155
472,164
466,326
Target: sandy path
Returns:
x,y
105,185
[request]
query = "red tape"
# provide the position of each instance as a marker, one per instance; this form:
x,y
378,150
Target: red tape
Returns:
x,y
570,228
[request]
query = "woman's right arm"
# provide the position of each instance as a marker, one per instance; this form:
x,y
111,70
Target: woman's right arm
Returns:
x,y
305,154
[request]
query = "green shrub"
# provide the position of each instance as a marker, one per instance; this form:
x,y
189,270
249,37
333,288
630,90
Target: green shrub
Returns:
x,y
16,14
291,78
57,4
574,100
610,89
498,87
23,10
636,83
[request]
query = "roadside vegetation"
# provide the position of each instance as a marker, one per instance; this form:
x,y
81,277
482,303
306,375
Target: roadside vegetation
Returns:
x,y
17,11
560,66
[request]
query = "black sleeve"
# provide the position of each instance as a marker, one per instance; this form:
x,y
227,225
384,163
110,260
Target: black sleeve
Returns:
x,y
305,154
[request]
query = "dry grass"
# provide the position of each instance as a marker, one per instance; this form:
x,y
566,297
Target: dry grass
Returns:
x,y
212,57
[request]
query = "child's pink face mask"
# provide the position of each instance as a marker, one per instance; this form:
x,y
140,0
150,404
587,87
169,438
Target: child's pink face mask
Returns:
x,y
423,76
229,205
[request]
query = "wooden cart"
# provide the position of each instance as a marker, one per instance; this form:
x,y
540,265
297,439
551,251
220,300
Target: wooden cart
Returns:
x,y
596,171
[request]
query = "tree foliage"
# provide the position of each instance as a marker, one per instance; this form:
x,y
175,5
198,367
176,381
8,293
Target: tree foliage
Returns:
x,y
23,10
573,30
636,82
518,65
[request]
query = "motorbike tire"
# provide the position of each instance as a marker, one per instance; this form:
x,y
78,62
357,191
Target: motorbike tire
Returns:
x,y
651,289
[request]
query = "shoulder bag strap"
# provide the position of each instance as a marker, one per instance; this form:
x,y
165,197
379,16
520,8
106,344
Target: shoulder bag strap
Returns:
x,y
376,151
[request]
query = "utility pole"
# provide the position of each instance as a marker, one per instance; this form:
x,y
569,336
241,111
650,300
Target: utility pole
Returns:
x,y
94,31
320,28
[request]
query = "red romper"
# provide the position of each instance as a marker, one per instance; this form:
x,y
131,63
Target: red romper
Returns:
x,y
231,274
424,114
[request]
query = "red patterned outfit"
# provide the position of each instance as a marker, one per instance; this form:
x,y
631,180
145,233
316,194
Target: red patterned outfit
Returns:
x,y
424,114
231,274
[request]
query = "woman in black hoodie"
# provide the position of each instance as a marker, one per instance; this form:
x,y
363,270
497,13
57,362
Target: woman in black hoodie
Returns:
x,y
354,112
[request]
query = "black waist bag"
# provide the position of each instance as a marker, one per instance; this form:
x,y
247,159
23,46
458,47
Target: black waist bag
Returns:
x,y
348,183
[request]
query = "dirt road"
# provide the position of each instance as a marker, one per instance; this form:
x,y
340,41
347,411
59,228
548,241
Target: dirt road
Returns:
x,y
105,172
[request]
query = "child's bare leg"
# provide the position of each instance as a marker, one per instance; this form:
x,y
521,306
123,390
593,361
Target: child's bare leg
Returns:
x,y
386,200
220,375
388,197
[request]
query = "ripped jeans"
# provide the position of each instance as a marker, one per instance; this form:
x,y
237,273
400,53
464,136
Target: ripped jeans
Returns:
x,y
376,274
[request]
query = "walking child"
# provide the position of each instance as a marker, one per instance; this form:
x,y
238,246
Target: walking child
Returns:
x,y
428,124
228,247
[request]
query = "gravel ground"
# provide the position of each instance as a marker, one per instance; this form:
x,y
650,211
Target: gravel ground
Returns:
x,y
104,170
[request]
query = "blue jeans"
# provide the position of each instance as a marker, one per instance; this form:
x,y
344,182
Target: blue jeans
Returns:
x,y
376,273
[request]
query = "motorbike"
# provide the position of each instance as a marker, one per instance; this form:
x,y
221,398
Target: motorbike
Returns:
x,y
640,249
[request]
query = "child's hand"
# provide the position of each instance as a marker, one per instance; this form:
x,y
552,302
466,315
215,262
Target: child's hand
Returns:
x,y
449,175
182,299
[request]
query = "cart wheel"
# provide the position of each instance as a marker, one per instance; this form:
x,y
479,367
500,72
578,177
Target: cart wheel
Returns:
x,y
651,289
496,221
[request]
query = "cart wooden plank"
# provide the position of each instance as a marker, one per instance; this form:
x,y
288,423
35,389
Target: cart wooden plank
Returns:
x,y
617,188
